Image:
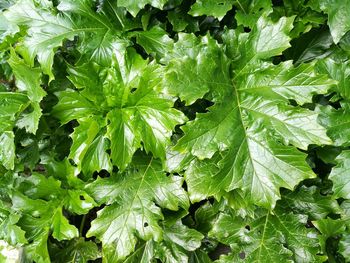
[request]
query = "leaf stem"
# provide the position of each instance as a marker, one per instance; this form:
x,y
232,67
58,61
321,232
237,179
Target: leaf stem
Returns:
x,y
82,225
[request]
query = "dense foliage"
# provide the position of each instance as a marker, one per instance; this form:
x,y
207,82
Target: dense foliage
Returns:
x,y
175,131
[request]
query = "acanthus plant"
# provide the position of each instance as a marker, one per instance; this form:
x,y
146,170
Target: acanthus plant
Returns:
x,y
175,131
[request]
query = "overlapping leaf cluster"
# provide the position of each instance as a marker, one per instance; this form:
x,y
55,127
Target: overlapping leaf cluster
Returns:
x,y
175,131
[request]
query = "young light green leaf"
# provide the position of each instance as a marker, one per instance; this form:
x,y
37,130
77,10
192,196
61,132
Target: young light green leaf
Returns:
x,y
135,107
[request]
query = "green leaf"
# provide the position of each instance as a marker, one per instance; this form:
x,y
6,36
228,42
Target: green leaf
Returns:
x,y
329,228
9,231
134,6
309,201
43,205
249,11
251,122
338,16
144,115
28,80
281,237
47,30
62,230
199,256
194,63
214,8
174,131
267,39
337,123
344,246
337,70
7,150
312,45
89,148
72,106
136,109
180,21
11,104
7,31
131,198
75,251
340,176
142,254
155,41
177,240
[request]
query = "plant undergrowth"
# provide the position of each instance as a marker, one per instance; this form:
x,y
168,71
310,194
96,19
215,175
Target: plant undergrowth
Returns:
x,y
175,131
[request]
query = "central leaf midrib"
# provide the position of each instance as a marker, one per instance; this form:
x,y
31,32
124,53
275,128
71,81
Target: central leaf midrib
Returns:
x,y
243,126
136,195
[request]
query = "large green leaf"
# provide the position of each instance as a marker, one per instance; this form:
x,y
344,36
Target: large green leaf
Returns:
x,y
131,198
251,122
7,150
278,237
